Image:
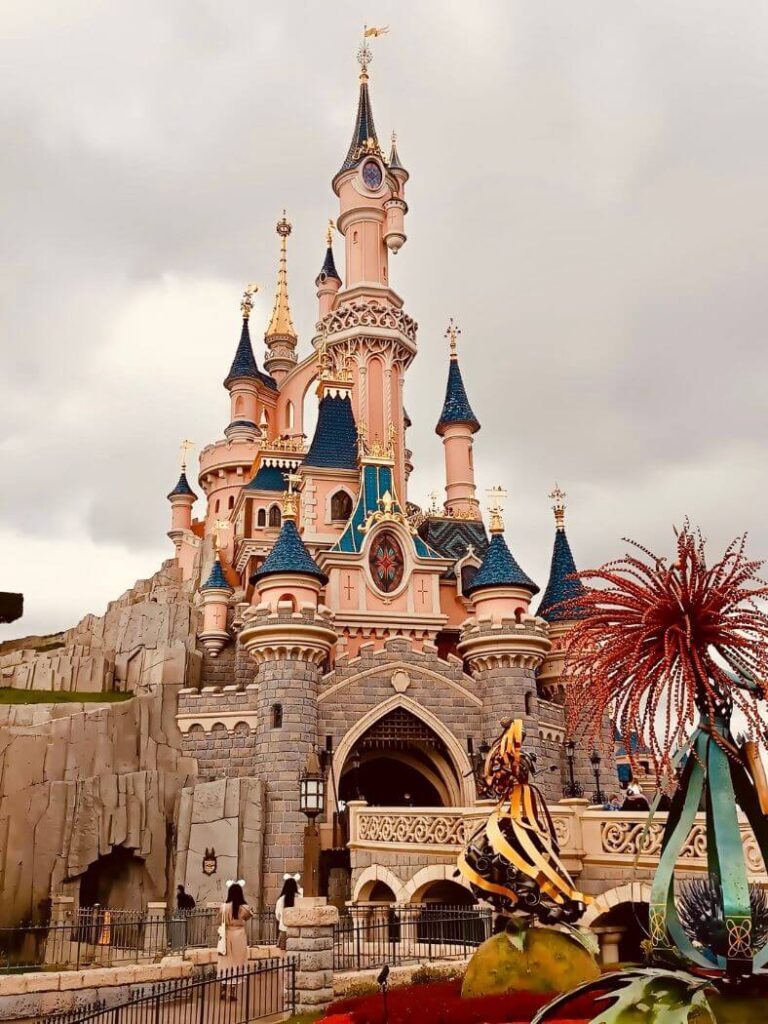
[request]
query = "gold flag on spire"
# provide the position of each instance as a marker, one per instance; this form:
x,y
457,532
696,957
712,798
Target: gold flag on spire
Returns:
x,y
375,31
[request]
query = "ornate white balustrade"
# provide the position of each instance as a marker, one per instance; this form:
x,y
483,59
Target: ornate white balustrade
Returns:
x,y
586,836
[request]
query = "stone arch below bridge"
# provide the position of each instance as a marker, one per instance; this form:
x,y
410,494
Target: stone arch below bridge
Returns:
x,y
371,878
417,888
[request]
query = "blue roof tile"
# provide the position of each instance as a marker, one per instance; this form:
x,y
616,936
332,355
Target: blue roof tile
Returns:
x,y
499,569
328,268
244,363
182,487
456,408
563,584
289,554
216,578
268,478
364,129
334,445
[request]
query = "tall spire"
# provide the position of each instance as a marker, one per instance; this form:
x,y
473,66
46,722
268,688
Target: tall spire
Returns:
x,y
280,336
364,138
244,363
456,407
563,586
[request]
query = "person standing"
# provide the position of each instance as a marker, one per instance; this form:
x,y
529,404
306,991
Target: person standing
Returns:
x,y
287,898
235,912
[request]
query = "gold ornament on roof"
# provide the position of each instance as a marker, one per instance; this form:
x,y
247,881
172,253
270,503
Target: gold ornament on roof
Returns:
x,y
388,512
281,323
246,303
452,334
558,497
376,448
185,446
291,497
329,232
496,496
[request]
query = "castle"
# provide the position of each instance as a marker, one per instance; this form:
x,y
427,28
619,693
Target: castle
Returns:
x,y
311,616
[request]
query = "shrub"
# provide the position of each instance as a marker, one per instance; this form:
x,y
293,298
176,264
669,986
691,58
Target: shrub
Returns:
x,y
424,975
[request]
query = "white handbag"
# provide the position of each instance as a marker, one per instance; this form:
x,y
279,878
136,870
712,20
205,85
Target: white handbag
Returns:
x,y
221,945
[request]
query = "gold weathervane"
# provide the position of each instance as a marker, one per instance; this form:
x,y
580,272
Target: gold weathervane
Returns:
x,y
496,496
364,55
558,497
185,446
246,303
452,334
329,231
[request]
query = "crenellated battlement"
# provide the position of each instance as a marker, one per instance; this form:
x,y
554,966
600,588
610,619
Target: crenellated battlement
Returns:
x,y
519,643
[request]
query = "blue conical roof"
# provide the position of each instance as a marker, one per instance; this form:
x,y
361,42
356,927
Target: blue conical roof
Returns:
x,y
328,268
334,445
268,478
456,407
244,363
289,554
563,584
499,569
364,129
182,487
216,578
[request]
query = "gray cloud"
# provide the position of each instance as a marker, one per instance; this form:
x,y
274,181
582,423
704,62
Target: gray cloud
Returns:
x,y
587,198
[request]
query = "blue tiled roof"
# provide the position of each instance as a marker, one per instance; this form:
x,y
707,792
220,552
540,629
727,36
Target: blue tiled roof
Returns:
x,y
289,554
376,480
329,266
456,408
244,363
182,487
216,578
334,445
563,585
364,129
407,422
268,478
499,569
394,158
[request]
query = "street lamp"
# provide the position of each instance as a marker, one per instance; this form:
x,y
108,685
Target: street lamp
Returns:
x,y
595,759
311,803
571,789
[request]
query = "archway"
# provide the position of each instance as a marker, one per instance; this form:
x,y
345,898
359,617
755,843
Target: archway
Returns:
x,y
399,761
446,892
116,879
621,931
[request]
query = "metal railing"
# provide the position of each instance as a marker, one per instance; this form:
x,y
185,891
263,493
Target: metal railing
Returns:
x,y
265,989
371,935
105,937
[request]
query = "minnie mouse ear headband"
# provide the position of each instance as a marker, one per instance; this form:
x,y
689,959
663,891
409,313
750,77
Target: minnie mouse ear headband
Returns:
x,y
235,881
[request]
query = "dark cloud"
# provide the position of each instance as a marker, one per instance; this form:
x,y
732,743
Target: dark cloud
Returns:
x,y
587,198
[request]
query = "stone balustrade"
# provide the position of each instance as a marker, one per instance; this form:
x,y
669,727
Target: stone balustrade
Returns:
x,y
589,837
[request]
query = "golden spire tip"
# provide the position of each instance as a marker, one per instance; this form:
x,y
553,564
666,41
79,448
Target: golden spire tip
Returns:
x,y
558,497
496,496
246,303
452,334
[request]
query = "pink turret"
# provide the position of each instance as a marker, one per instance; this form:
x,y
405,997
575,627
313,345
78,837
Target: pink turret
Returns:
x,y
456,426
328,281
182,498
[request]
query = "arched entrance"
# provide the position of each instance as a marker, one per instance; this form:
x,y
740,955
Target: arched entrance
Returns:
x,y
116,879
400,762
447,893
621,931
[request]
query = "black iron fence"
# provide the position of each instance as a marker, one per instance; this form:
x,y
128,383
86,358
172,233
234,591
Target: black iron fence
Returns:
x,y
264,989
371,935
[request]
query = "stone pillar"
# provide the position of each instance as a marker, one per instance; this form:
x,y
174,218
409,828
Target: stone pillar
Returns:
x,y
310,925
504,657
609,944
290,650
58,943
155,933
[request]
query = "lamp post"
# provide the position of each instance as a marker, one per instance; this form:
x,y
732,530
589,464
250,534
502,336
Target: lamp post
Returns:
x,y
595,760
572,789
311,803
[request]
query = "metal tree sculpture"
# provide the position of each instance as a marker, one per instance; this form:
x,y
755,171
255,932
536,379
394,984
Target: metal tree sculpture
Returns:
x,y
669,652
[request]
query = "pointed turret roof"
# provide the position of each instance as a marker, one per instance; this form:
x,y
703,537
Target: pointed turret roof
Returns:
x,y
182,487
289,555
364,138
281,323
216,579
334,444
456,407
244,363
500,569
268,478
395,164
328,268
563,585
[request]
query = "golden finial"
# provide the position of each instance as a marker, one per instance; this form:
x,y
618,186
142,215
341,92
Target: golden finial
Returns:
x,y
452,334
246,303
433,505
291,497
496,496
394,137
185,446
219,525
558,497
364,55
281,324
329,231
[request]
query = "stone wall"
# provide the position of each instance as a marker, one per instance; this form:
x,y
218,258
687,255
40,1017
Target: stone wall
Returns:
x,y
226,818
217,728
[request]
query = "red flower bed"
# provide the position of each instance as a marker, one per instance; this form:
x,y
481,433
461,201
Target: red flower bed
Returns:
x,y
441,1003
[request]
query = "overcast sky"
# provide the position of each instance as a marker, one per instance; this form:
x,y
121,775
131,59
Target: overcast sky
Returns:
x,y
587,199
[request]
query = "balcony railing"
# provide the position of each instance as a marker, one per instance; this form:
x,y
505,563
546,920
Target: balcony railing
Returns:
x,y
585,835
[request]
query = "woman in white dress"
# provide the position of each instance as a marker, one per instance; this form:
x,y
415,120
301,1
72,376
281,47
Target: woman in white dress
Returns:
x,y
286,899
234,915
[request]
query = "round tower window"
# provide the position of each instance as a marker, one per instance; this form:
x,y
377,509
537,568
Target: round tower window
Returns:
x,y
372,176
386,562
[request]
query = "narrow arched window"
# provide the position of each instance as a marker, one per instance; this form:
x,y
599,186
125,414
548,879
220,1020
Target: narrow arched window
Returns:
x,y
277,716
341,506
289,415
528,702
217,506
231,502
468,573
261,517
239,405
274,515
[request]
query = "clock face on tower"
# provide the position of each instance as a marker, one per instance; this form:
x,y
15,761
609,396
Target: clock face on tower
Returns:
x,y
372,176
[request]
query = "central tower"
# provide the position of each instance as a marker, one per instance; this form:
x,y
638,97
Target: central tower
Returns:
x,y
366,319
